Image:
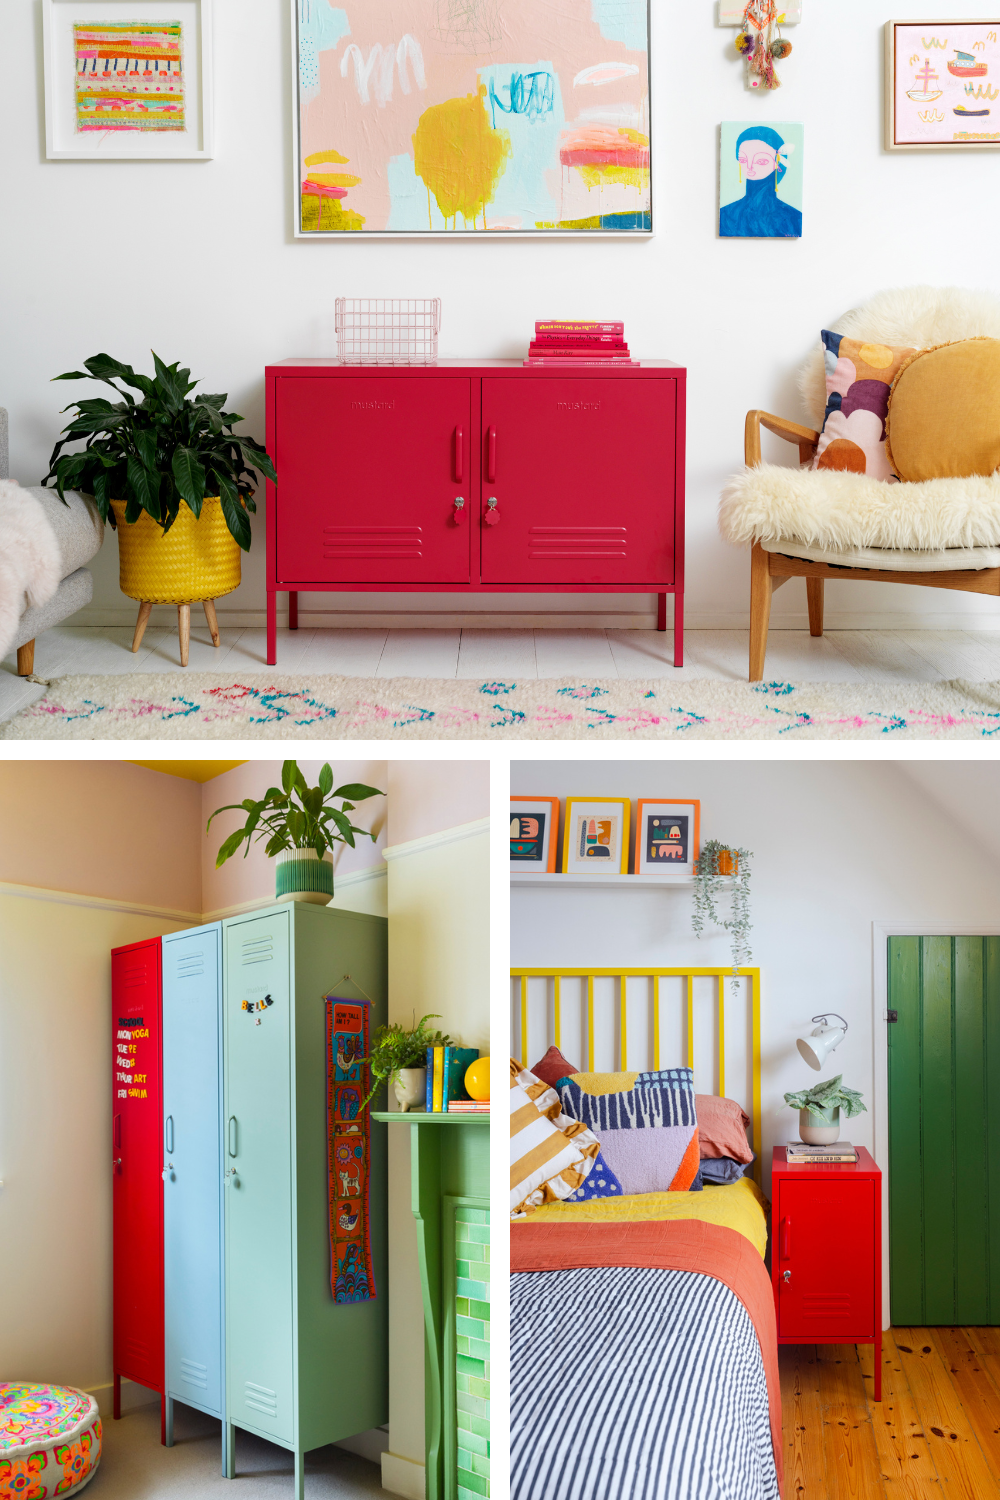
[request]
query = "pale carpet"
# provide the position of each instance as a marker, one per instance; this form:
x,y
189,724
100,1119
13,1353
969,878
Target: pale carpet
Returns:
x,y
176,705
135,1466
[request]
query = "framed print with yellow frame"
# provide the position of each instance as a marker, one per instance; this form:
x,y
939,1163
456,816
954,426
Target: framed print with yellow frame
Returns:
x,y
534,835
667,836
595,836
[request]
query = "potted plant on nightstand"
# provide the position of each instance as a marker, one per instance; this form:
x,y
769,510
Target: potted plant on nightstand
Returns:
x,y
819,1110
400,1054
302,825
174,481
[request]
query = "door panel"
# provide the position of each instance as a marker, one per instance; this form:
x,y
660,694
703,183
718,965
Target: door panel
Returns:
x,y
192,1144
584,480
137,1194
825,1238
369,469
257,1143
944,1133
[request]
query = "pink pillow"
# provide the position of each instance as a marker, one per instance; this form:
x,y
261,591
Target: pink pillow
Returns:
x,y
722,1128
552,1067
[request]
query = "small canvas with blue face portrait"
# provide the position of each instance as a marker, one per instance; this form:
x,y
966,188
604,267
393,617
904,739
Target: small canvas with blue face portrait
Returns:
x,y
760,180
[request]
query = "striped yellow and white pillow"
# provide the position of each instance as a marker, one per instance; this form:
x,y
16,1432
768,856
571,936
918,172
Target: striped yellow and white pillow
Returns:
x,y
550,1154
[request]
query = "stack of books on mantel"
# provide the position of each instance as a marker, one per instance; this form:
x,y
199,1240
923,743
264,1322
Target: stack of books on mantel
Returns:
x,y
572,345
468,1107
839,1153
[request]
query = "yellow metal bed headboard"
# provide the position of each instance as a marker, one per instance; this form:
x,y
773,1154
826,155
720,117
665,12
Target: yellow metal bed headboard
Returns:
x,y
689,975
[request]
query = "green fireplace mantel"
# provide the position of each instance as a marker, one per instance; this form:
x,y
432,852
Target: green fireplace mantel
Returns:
x,y
450,1198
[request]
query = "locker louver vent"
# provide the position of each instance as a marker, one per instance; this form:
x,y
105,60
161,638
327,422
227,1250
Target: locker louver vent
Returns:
x,y
576,541
134,976
190,965
827,1304
371,541
259,1398
258,950
137,1350
194,1374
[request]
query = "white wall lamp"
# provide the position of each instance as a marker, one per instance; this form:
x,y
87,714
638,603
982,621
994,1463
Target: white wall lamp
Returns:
x,y
817,1046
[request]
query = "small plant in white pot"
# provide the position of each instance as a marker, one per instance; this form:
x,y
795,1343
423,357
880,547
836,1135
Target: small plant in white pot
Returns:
x,y
302,826
400,1054
819,1110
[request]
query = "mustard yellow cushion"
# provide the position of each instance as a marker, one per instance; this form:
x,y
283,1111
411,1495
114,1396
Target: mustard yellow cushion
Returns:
x,y
944,412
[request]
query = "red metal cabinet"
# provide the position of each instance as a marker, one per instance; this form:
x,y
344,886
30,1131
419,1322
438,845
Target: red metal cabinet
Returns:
x,y
137,1166
569,482
826,1253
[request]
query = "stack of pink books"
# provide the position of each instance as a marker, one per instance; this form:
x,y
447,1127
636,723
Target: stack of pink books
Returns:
x,y
586,344
469,1107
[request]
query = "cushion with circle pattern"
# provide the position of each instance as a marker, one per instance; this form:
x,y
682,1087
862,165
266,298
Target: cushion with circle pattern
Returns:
x,y
50,1440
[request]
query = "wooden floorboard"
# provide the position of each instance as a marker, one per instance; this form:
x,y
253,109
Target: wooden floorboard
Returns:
x,y
935,1435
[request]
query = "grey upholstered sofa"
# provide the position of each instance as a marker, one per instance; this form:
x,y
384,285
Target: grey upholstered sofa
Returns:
x,y
79,532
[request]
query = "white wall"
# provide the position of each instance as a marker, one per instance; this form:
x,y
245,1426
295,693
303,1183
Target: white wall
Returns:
x,y
197,260
836,845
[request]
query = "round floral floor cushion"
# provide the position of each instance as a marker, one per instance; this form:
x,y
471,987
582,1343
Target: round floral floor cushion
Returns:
x,y
50,1440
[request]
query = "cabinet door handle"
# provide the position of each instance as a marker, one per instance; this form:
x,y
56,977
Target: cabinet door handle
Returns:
x,y
169,1135
232,1135
786,1238
117,1165
459,455
459,503
491,455
492,517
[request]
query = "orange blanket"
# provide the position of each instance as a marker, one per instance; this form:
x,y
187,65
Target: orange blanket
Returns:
x,y
681,1245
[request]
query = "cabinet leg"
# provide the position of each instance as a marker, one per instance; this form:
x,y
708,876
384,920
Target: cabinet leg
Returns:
x,y
878,1365
661,611
272,628
679,628
293,610
814,598
116,1409
168,1421
163,1421
300,1475
184,631
229,1450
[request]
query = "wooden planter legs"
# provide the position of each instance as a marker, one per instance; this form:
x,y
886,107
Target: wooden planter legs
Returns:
x,y
183,626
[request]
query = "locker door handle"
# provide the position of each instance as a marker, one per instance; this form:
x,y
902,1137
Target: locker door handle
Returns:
x,y
492,515
117,1165
491,455
786,1238
232,1135
459,455
169,1135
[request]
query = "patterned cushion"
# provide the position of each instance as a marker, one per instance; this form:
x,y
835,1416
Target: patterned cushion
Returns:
x,y
553,1067
859,377
50,1440
645,1123
550,1154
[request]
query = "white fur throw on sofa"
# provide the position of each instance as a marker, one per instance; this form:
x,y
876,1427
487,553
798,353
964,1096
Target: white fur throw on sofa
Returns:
x,y
30,563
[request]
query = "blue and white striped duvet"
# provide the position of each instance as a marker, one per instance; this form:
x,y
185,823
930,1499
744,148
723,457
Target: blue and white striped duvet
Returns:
x,y
636,1384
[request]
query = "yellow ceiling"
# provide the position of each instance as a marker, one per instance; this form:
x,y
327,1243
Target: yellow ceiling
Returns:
x,y
190,770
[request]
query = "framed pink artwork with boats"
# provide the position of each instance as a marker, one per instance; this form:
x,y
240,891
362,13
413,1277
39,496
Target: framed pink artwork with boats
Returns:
x,y
942,85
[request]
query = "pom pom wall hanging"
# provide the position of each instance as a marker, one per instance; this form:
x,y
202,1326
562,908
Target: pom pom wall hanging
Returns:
x,y
757,42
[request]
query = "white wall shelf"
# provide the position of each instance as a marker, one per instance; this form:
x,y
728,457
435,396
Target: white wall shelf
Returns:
x,y
602,882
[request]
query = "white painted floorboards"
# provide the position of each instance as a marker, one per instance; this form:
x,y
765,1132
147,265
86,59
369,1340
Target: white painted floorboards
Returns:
x,y
793,656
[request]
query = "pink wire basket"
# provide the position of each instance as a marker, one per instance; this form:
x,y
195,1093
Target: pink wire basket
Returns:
x,y
388,330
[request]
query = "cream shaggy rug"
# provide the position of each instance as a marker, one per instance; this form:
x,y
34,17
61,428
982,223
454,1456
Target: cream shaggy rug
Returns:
x,y
178,706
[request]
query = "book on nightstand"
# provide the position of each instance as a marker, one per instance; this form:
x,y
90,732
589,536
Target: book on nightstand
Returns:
x,y
837,1152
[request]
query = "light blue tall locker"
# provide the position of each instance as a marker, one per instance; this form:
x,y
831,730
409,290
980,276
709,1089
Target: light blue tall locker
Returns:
x,y
302,1369
193,1218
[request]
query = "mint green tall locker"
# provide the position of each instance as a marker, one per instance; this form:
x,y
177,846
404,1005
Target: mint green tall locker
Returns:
x,y
302,1370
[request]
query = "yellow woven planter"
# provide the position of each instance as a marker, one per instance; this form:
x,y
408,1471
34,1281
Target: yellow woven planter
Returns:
x,y
197,559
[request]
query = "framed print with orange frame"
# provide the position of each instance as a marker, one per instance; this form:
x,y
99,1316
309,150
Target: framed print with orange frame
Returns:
x,y
667,836
534,835
595,836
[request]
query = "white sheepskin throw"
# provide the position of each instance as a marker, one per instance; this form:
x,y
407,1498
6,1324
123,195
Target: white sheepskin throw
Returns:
x,y
912,317
30,564
834,510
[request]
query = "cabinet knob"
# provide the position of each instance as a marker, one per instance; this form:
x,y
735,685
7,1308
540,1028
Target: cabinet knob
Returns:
x,y
117,1164
459,516
786,1276
492,514
168,1172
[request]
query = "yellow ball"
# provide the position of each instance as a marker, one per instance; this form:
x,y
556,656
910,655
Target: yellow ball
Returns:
x,y
477,1078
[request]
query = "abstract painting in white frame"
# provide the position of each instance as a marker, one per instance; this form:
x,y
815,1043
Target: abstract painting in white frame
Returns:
x,y
942,85
186,137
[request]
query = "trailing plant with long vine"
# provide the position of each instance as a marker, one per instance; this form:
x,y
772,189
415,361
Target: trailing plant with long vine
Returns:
x,y
708,887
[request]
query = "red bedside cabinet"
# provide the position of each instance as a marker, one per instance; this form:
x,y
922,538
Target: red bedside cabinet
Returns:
x,y
482,477
826,1253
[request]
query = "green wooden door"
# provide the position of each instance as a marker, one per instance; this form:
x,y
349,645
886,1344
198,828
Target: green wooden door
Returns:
x,y
944,1130
259,1192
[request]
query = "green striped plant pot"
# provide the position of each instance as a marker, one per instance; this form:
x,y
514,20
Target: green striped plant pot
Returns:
x,y
300,876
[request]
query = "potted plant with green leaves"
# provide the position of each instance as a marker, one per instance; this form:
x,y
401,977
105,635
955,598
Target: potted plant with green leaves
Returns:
x,y
819,1110
722,868
172,478
400,1054
302,826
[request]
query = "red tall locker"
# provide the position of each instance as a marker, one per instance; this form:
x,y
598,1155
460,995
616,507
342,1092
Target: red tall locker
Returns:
x,y
137,1135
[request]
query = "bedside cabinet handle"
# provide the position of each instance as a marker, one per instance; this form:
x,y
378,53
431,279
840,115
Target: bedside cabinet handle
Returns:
x,y
786,1238
492,517
491,455
459,455
786,1277
459,512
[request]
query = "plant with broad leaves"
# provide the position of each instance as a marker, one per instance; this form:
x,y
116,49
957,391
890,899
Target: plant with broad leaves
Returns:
x,y
159,452
297,816
824,1097
395,1047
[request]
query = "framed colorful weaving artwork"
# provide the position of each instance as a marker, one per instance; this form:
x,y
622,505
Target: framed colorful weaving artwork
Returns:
x,y
471,117
534,835
942,85
667,836
595,836
127,80
349,1125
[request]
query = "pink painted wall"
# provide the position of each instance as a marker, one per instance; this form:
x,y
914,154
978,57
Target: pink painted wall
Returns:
x,y
427,796
101,828
252,879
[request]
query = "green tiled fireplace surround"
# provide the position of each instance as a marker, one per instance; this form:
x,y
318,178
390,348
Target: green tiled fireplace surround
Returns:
x,y
472,1350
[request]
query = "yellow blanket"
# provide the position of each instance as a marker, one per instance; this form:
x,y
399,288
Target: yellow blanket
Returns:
x,y
739,1205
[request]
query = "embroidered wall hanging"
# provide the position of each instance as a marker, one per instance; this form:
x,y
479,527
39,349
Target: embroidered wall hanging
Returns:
x,y
349,1125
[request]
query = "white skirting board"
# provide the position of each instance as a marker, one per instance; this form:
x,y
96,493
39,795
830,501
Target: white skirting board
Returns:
x,y
401,1476
371,1444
